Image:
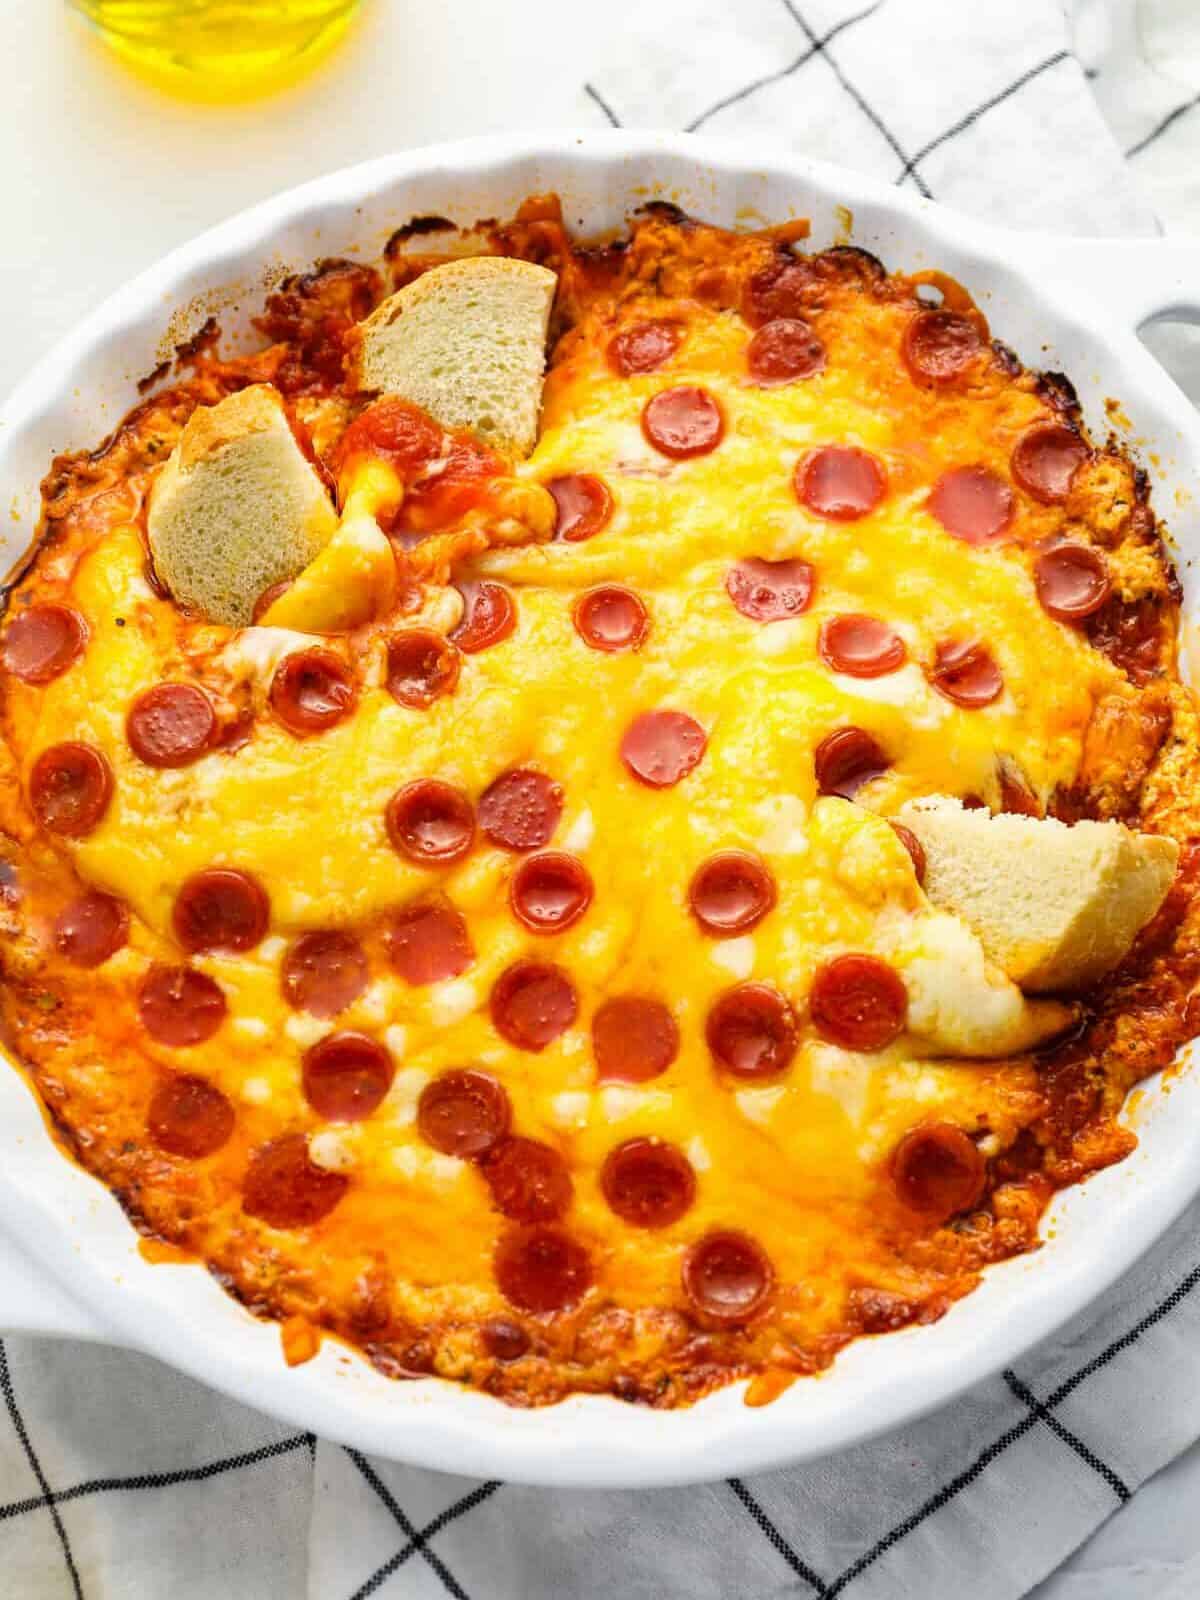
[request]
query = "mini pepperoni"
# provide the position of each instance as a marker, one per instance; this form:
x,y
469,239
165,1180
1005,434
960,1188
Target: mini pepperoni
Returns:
x,y
634,1039
751,1031
324,972
726,1276
532,1003
431,822
179,1006
914,847
421,667
43,642
529,1180
1016,796
542,1269
91,929
550,891
644,347
860,646
648,1183
1072,580
429,944
285,1189
939,346
221,909
973,503
840,482
489,615
611,618
70,786
189,1117
346,1076
683,422
784,351
938,1171
1046,459
583,504
312,690
770,591
858,1002
731,893
171,725
504,1340
661,747
846,759
520,809
965,671
781,291
463,1113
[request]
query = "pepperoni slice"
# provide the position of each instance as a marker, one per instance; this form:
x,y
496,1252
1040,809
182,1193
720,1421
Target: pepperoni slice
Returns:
x,y
583,504
171,725
965,671
221,909
860,646
634,1039
858,1002
428,944
937,1171
285,1189
312,690
973,503
421,667
324,972
726,1276
273,592
644,347
431,822
611,618
661,747
529,1180
731,893
840,482
70,786
683,422
939,346
648,1183
463,1113
520,809
770,591
532,1003
846,759
189,1117
1072,580
346,1076
1046,459
91,929
542,1269
1016,796
550,891
43,642
179,1006
914,847
781,291
489,615
751,1031
784,351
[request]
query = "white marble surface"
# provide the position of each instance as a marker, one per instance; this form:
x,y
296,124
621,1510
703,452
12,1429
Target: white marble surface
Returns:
x,y
102,175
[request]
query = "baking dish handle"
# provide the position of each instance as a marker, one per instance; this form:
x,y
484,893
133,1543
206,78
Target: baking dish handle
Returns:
x,y
31,1303
1140,280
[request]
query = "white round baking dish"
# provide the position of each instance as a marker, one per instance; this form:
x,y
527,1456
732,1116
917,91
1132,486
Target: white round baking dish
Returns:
x,y
68,1258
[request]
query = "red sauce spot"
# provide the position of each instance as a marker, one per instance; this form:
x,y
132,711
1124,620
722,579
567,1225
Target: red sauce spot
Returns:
x,y
421,667
731,893
489,615
520,809
311,691
784,351
973,503
394,431
550,891
846,759
431,823
43,642
171,725
463,1113
727,1276
683,422
189,1117
939,346
770,591
70,786
840,482
221,909
283,1187
965,671
532,1003
584,506
91,929
634,1038
751,1031
858,1002
937,1171
542,1269
429,944
179,1006
529,1180
1046,459
661,747
346,1076
648,1183
860,646
324,972
644,347
611,618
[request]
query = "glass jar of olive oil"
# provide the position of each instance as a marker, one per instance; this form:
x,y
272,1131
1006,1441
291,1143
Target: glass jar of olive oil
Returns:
x,y
220,49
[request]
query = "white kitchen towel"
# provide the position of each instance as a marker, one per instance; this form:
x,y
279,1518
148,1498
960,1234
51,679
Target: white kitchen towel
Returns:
x,y
120,1480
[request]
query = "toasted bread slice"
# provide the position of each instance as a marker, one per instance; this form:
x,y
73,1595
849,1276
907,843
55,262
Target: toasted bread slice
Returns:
x,y
237,508
1054,907
466,341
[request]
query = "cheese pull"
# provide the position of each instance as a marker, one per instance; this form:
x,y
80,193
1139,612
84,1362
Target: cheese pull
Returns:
x,y
1054,907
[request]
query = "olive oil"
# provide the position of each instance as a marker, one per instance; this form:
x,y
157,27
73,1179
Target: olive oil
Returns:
x,y
220,49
